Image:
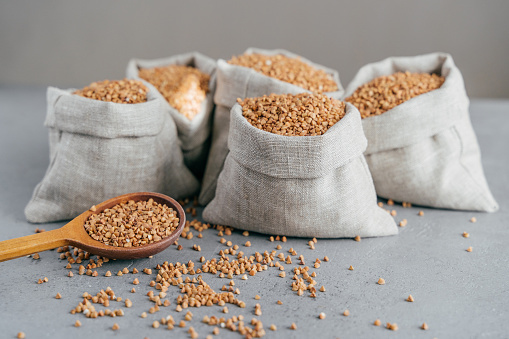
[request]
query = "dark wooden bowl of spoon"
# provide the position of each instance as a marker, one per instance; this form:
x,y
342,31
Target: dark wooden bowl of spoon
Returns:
x,y
74,234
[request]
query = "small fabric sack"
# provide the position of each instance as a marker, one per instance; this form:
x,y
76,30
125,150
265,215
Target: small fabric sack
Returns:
x,y
312,186
425,151
241,82
99,150
194,135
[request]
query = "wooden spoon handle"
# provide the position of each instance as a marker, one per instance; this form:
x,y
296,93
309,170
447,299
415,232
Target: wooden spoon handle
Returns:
x,y
19,247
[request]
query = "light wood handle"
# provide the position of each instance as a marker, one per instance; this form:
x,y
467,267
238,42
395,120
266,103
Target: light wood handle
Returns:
x,y
19,247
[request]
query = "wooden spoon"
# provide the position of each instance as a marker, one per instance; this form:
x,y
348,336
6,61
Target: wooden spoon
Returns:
x,y
74,234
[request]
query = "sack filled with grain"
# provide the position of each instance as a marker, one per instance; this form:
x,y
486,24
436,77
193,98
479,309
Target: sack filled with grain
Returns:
x,y
186,83
295,167
255,73
105,140
422,148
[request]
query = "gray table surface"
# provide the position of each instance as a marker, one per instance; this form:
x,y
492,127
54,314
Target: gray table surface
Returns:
x,y
458,294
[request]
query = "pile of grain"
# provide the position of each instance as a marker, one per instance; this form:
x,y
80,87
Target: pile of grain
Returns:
x,y
183,87
291,70
304,114
386,92
118,91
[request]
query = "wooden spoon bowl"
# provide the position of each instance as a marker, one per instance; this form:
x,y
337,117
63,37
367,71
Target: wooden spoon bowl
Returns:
x,y
74,234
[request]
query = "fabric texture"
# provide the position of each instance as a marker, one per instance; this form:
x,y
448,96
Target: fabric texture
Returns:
x,y
312,186
194,135
241,82
99,150
425,151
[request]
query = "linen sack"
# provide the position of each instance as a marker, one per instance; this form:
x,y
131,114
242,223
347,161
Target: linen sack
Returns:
x,y
241,82
312,186
99,150
425,151
194,135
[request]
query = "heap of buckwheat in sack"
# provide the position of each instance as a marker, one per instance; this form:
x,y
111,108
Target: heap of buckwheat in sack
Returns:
x,y
183,87
304,114
386,92
118,91
291,70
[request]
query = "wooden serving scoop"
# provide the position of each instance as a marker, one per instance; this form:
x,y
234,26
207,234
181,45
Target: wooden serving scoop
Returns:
x,y
74,234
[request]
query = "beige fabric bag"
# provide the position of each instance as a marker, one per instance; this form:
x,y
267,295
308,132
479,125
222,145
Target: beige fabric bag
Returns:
x,y
99,150
241,82
425,151
313,186
194,135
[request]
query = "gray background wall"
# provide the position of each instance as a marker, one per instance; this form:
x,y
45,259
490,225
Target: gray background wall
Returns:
x,y
72,43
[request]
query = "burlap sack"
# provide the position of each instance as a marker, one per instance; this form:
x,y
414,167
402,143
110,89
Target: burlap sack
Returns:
x,y
99,150
425,151
241,82
194,135
313,186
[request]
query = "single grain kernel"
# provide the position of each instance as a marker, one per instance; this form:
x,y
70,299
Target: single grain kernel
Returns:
x,y
424,326
77,323
466,235
350,268
403,223
58,296
377,322
410,298
421,213
346,313
273,327
381,281
107,274
293,326
469,249
473,219
115,327
21,335
357,238
321,315
155,324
